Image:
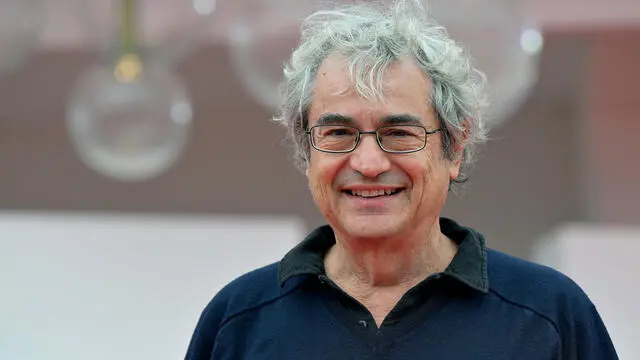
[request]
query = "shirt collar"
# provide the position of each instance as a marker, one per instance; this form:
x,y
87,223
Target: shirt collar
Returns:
x,y
469,265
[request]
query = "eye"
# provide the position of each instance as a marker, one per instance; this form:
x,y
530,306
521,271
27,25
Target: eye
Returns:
x,y
336,131
397,132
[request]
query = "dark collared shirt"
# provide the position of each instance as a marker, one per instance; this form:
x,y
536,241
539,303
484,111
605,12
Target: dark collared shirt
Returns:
x,y
485,305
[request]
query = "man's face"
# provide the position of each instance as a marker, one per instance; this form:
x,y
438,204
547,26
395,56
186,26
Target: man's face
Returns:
x,y
342,184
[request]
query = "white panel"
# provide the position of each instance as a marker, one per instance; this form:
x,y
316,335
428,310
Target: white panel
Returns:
x,y
106,287
603,260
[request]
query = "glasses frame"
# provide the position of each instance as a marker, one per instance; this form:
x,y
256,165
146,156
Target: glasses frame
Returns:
x,y
375,132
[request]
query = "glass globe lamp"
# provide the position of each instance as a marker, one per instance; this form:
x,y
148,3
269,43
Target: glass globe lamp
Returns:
x,y
129,115
503,46
261,36
129,122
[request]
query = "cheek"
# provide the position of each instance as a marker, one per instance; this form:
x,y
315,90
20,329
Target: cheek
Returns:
x,y
428,173
322,172
321,175
418,168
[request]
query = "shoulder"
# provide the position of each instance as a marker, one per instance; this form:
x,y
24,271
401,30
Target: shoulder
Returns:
x,y
555,297
246,293
538,288
249,291
530,283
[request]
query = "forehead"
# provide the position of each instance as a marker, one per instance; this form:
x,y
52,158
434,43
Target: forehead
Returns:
x,y
406,90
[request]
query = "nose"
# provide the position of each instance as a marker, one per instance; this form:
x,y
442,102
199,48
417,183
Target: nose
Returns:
x,y
368,158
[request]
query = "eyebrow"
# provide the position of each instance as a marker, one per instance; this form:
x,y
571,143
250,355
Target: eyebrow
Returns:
x,y
335,119
402,119
397,119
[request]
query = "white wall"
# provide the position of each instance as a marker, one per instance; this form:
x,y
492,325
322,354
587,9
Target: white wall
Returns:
x,y
603,260
78,287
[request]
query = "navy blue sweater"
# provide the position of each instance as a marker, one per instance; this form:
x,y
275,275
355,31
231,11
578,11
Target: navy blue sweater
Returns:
x,y
485,305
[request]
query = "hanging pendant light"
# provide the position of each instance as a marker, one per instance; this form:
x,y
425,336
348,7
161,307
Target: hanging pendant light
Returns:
x,y
129,118
503,45
261,36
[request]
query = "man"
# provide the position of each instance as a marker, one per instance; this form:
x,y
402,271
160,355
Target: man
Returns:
x,y
385,111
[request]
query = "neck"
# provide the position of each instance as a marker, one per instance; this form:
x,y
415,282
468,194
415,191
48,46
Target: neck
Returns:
x,y
401,261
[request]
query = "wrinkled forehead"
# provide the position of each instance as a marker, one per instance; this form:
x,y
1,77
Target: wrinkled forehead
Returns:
x,y
370,90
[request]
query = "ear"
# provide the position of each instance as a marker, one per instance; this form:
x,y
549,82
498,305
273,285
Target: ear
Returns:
x,y
307,166
458,149
461,141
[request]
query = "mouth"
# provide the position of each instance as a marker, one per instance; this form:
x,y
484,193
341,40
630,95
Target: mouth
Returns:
x,y
372,194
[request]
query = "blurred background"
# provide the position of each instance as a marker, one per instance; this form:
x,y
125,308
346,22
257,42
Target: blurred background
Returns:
x,y
140,172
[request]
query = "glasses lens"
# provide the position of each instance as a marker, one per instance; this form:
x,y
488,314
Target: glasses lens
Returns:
x,y
334,137
402,138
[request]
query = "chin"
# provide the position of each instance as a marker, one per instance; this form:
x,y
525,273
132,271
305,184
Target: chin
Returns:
x,y
372,226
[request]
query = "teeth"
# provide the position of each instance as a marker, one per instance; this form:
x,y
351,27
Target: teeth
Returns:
x,y
371,193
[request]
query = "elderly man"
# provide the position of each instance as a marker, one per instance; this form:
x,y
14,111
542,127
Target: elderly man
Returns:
x,y
385,111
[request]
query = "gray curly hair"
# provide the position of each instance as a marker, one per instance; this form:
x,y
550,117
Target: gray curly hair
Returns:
x,y
373,36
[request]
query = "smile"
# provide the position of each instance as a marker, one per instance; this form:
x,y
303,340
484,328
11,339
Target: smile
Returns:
x,y
373,193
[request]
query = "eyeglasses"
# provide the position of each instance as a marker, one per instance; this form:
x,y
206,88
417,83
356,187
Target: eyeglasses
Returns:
x,y
396,139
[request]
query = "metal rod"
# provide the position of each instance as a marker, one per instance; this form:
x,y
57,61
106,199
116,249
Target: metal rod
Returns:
x,y
128,30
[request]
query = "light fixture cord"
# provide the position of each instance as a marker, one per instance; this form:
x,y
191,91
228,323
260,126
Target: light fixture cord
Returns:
x,y
128,26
